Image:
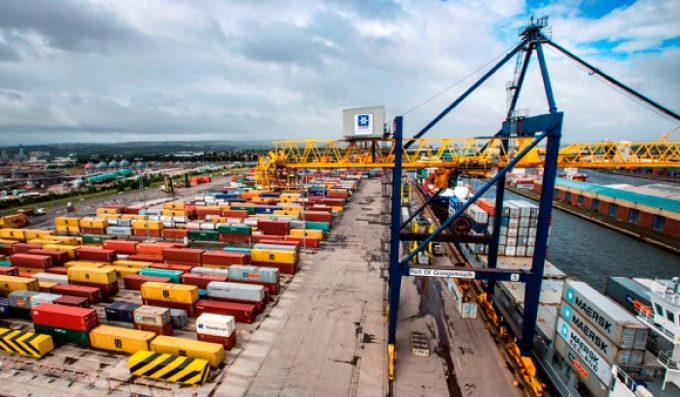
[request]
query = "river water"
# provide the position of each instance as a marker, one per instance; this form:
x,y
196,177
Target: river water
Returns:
x,y
591,252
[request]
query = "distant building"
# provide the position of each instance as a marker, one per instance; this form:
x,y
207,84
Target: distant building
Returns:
x,y
39,155
21,156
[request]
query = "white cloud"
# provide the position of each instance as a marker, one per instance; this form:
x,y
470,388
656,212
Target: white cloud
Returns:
x,y
272,70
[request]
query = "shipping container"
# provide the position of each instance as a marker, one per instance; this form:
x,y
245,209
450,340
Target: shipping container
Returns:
x,y
145,258
211,352
201,280
160,330
135,281
9,271
75,318
173,275
58,257
69,249
64,335
121,312
630,294
155,249
95,254
56,278
121,246
236,292
217,325
152,315
93,294
21,299
58,270
607,317
186,294
118,339
103,276
25,247
183,255
85,263
595,374
68,300
179,318
25,343
169,368
225,258
31,261
173,266
43,297
242,312
211,271
273,256
132,264
12,283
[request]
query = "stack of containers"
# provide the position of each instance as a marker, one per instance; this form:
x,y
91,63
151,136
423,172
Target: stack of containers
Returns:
x,y
67,226
267,277
273,228
174,296
153,318
216,328
58,257
96,254
31,263
234,233
182,256
20,303
65,323
283,259
594,333
119,230
223,259
93,226
68,248
238,293
146,228
104,278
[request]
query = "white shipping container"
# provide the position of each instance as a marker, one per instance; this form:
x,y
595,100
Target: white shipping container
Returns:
x,y
43,297
207,226
179,219
211,271
193,225
124,222
590,357
151,315
215,324
244,292
119,231
169,224
55,278
113,222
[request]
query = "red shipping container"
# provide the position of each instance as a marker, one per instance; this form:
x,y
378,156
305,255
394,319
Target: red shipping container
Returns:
x,y
227,341
259,306
174,233
135,281
275,228
487,205
317,216
202,212
225,258
174,266
235,213
190,309
182,255
334,202
9,271
234,238
288,268
58,257
258,238
318,208
96,254
108,290
164,330
132,210
93,230
28,273
77,301
121,246
146,233
146,258
201,280
68,317
31,261
242,312
154,248
25,247
58,270
305,242
94,295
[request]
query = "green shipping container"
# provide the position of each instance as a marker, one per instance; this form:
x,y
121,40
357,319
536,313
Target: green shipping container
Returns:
x,y
202,235
96,238
174,275
325,226
249,208
62,335
5,263
244,230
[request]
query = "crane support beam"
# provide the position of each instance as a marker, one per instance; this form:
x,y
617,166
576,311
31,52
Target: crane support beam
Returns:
x,y
513,275
421,208
446,237
613,81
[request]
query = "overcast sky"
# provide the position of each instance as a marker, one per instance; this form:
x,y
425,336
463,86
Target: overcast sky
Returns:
x,y
112,70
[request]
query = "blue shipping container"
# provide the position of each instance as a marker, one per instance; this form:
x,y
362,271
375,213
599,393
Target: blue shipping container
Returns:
x,y
121,312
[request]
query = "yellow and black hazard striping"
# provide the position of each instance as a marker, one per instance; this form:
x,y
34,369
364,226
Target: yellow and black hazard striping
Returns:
x,y
169,368
25,343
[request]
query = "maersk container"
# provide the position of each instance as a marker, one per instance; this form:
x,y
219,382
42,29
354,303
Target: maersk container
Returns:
x,y
254,273
582,369
613,354
627,292
211,271
179,318
174,275
236,291
121,312
606,316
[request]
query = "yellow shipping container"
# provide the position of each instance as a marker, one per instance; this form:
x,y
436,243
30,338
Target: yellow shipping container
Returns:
x,y
46,286
100,211
13,234
174,213
93,264
143,225
307,233
219,219
278,256
102,275
7,243
66,240
32,234
109,216
122,271
215,266
174,206
66,221
132,264
250,194
287,213
211,352
41,241
179,293
12,283
289,206
337,208
93,223
71,249
119,339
